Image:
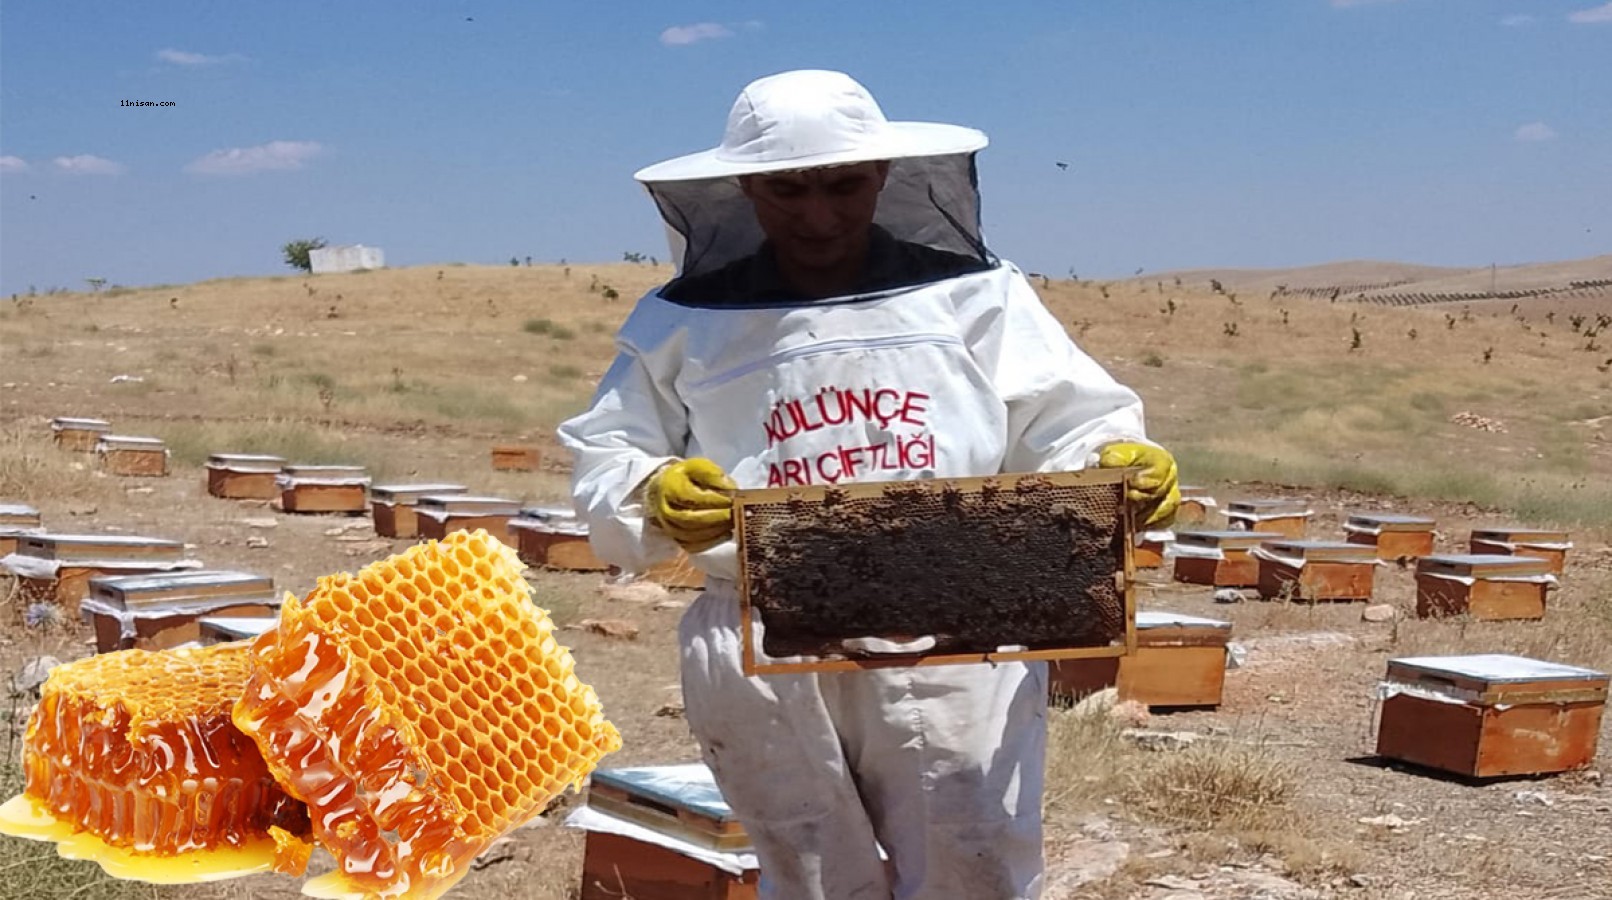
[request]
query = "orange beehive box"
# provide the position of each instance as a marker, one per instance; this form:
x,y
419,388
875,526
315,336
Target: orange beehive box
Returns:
x,y
1196,505
1288,518
516,458
243,476
1180,662
392,506
143,457
1484,586
322,489
1541,542
78,435
1316,570
57,568
1395,536
1151,548
437,515
161,611
663,833
1487,716
554,538
1218,558
16,520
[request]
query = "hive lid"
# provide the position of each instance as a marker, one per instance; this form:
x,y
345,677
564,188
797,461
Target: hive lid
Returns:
x,y
1226,540
1488,669
1193,492
468,505
236,628
1153,618
68,423
688,786
1323,551
1276,506
135,591
18,514
1520,535
68,547
1392,521
131,442
251,462
1480,564
409,494
322,471
548,512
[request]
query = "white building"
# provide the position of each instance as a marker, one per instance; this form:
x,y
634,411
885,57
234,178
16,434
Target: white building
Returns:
x,y
349,258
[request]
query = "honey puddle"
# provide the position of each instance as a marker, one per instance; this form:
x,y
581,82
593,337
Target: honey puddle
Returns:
x,y
24,817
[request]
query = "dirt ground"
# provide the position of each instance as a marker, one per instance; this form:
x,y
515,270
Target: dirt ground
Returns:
x,y
261,365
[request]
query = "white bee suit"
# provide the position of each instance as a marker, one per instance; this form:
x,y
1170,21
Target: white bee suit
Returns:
x,y
963,376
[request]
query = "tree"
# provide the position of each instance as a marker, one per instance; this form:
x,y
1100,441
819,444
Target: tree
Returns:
x,y
296,252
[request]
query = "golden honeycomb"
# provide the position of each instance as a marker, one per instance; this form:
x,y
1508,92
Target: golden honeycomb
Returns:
x,y
421,708
132,756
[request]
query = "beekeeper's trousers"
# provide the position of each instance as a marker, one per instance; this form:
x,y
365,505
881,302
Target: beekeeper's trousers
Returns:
x,y
941,766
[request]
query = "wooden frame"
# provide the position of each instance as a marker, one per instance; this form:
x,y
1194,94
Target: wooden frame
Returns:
x,y
1120,478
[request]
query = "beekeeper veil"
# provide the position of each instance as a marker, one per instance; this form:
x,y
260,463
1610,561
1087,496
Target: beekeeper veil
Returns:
x,y
807,119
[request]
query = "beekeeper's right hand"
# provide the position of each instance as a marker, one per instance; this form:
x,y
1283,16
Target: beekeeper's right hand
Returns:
x,y
691,500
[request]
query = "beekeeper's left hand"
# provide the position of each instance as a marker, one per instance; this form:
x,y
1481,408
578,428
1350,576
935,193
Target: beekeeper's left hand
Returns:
x,y
692,501
1156,490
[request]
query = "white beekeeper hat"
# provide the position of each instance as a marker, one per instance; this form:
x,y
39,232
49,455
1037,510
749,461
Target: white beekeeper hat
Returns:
x,y
810,118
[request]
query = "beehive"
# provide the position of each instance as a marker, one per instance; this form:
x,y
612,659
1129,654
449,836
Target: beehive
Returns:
x,y
1484,587
392,506
1151,548
1196,505
1218,558
1394,535
1288,518
156,612
1315,570
438,515
243,476
78,435
131,760
1180,662
1544,543
516,458
662,833
554,538
1490,715
223,629
121,454
322,489
57,568
954,570
16,520
421,708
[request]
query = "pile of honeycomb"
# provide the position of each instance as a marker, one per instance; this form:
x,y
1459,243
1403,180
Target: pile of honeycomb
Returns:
x,y
137,751
421,709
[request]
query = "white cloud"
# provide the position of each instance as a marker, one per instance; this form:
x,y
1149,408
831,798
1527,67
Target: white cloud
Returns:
x,y
1535,131
270,157
1516,21
86,164
186,58
13,164
1593,16
679,35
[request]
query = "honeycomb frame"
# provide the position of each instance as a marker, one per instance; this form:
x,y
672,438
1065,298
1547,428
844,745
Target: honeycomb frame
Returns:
x,y
757,511
422,708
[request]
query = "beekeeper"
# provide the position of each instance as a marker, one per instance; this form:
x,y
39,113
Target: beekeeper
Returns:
x,y
836,318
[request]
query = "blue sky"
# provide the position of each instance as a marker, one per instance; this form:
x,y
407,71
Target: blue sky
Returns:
x,y
1247,133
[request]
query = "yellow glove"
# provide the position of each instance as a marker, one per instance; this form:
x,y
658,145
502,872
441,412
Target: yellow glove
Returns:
x,y
692,501
1156,491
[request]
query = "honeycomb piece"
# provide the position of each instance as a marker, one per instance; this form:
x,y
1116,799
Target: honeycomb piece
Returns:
x,y
132,757
421,708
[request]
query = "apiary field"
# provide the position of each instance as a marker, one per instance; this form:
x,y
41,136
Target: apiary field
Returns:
x,y
1466,412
